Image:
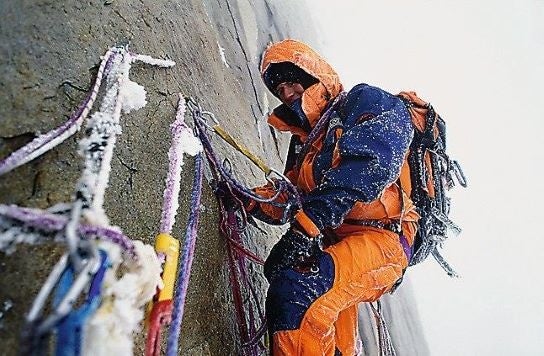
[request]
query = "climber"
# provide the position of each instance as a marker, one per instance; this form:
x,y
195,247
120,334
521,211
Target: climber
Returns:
x,y
350,241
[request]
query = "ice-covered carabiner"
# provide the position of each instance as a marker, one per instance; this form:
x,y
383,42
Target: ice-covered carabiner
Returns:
x,y
84,276
459,174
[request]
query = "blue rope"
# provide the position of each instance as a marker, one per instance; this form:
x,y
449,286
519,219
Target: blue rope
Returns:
x,y
186,261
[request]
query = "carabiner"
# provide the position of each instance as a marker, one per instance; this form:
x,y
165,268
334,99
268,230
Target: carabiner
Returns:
x,y
82,280
38,326
210,115
70,329
459,173
269,178
47,288
72,238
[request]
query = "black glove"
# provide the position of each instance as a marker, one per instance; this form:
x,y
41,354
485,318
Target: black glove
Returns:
x,y
293,250
228,196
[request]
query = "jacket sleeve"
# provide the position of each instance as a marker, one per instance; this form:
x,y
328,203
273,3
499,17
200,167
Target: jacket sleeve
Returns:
x,y
371,156
267,212
274,213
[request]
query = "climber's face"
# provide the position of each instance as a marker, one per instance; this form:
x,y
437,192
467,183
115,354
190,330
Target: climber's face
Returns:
x,y
288,92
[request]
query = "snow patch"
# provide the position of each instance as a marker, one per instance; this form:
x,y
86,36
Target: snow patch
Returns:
x,y
222,54
112,328
132,96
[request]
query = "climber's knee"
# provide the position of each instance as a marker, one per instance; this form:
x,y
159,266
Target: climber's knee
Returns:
x,y
292,292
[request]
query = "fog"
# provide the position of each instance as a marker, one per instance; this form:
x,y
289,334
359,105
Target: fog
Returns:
x,y
481,66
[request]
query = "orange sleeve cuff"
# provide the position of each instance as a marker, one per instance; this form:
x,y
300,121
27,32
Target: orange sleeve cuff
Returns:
x,y
307,224
250,206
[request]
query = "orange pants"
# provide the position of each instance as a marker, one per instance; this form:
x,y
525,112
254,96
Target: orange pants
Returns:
x,y
316,314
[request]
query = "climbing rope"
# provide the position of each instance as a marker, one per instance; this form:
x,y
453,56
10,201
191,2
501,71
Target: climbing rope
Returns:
x,y
249,313
163,311
283,185
385,343
186,260
37,223
83,268
46,142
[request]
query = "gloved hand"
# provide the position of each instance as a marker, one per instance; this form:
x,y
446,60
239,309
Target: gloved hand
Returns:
x,y
293,250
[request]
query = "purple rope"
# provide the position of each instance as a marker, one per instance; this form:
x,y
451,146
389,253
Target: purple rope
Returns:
x,y
239,279
175,155
186,261
227,176
318,128
42,220
47,141
247,320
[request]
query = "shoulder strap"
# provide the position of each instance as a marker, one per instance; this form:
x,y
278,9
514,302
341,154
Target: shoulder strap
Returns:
x,y
319,126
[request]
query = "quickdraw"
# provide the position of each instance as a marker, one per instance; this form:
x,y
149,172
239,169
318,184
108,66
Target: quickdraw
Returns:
x,y
70,329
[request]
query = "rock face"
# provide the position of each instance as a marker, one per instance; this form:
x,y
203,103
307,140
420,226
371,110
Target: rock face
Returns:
x,y
48,55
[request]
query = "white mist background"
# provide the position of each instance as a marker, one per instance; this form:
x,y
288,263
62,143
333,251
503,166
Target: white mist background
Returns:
x,y
481,65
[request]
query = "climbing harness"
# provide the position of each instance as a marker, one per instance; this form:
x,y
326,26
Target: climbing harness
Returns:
x,y
82,270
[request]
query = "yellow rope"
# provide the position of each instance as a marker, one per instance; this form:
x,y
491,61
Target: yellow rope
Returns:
x,y
242,149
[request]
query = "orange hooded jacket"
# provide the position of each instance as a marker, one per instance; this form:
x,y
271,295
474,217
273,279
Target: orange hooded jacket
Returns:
x,y
392,205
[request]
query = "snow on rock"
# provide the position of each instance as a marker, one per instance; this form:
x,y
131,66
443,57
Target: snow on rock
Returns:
x,y
132,96
222,54
165,63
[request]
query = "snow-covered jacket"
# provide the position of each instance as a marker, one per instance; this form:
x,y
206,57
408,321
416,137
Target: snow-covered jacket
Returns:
x,y
348,176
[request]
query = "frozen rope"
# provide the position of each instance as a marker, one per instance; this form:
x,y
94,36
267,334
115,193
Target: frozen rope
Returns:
x,y
122,95
183,141
249,333
37,223
164,63
244,294
282,185
46,142
384,338
135,287
246,301
186,260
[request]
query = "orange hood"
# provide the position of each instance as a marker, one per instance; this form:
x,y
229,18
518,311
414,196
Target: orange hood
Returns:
x,y
314,98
